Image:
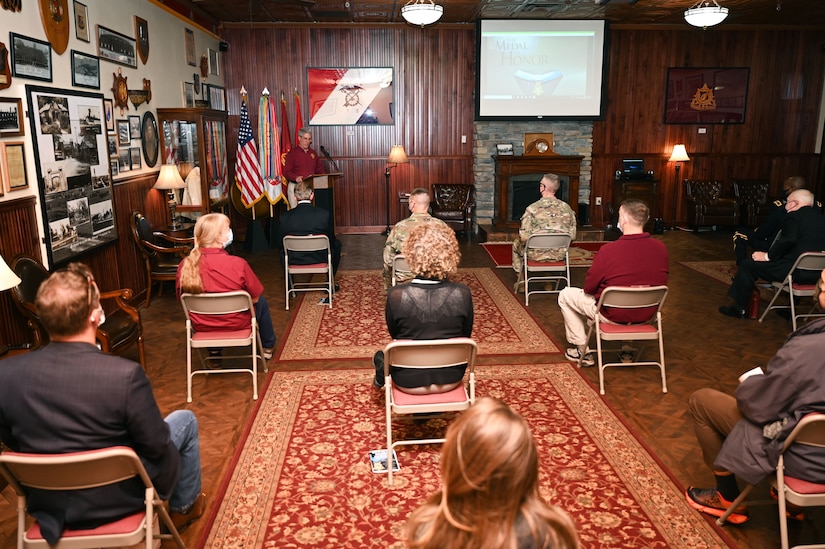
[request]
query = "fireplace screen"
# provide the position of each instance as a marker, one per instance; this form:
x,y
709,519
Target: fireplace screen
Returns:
x,y
523,190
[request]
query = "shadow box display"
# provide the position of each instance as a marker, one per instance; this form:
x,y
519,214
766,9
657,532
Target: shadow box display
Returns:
x,y
709,95
195,140
72,160
350,96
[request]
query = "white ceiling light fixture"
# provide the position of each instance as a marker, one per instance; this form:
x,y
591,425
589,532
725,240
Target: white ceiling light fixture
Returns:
x,y
706,14
421,12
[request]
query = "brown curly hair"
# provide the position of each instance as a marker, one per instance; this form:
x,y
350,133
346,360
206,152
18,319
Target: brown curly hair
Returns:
x,y
431,251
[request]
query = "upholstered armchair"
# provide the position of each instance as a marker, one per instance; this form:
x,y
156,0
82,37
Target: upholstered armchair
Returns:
x,y
122,327
454,204
707,207
753,193
161,253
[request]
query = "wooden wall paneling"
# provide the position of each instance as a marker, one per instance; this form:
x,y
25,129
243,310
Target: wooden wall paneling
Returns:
x,y
432,97
18,235
779,133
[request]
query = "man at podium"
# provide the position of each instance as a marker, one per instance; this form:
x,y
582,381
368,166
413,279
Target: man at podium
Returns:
x,y
301,162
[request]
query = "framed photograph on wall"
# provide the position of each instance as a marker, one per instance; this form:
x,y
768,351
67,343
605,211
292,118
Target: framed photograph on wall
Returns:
x,y
350,96
216,97
11,117
189,46
134,127
134,158
123,133
14,165
188,94
30,58
124,162
72,161
111,144
213,62
108,111
706,95
85,70
113,167
115,47
81,22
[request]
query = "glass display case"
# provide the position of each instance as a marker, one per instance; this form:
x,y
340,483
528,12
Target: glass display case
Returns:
x,y
194,139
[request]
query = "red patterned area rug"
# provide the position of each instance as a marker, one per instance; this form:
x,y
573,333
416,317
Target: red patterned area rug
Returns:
x,y
302,476
356,327
720,270
581,253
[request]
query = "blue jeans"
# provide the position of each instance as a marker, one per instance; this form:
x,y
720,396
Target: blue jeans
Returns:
x,y
183,428
265,323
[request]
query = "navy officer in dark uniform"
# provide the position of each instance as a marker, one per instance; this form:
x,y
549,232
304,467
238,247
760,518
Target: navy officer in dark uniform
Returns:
x,y
760,238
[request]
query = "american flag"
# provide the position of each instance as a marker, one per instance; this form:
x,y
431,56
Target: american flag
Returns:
x,y
248,171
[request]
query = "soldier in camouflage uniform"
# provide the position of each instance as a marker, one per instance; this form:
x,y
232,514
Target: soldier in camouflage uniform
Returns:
x,y
419,207
548,214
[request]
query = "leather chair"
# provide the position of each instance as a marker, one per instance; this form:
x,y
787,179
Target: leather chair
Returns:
x,y
454,204
122,327
161,253
707,207
753,193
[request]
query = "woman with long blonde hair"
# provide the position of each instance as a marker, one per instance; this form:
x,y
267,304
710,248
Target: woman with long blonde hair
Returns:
x,y
489,497
210,268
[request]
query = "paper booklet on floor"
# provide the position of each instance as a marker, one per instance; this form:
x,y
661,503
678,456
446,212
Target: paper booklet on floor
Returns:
x,y
378,461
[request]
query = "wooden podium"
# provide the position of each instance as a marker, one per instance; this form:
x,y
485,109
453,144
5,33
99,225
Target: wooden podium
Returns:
x,y
323,184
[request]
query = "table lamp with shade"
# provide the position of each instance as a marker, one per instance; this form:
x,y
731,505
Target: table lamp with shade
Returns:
x,y
169,179
397,156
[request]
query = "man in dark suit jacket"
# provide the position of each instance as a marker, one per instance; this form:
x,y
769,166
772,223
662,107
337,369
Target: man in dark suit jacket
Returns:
x,y
71,397
305,219
803,230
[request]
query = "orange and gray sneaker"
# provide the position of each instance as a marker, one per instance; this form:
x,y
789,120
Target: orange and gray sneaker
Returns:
x,y
711,502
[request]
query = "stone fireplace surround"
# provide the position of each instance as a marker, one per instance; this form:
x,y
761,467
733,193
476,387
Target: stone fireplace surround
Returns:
x,y
570,138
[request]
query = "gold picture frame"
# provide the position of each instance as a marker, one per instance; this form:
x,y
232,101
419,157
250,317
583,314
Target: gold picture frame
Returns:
x,y
14,165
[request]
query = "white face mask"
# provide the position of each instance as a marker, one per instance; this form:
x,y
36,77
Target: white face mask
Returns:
x,y
229,238
102,317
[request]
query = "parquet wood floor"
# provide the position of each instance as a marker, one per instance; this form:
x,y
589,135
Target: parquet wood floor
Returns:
x,y
702,347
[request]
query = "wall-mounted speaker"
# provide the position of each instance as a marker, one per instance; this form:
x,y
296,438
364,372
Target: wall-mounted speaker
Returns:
x,y
224,46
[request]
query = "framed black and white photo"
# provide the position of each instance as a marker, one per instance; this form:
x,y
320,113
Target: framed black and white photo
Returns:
x,y
189,46
85,70
188,94
11,117
81,22
113,167
123,160
115,47
213,62
134,127
216,97
108,111
72,160
30,58
123,133
111,142
134,158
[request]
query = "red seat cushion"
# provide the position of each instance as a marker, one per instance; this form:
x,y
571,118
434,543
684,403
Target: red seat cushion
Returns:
x,y
405,399
216,334
121,526
803,486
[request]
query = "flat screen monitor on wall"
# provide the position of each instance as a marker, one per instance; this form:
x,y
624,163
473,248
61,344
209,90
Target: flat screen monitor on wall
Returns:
x,y
528,69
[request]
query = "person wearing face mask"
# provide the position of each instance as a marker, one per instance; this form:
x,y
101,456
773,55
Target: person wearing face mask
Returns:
x,y
70,397
210,268
760,238
635,259
803,230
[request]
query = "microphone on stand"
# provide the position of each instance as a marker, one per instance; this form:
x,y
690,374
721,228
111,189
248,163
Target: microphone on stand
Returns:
x,y
326,154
